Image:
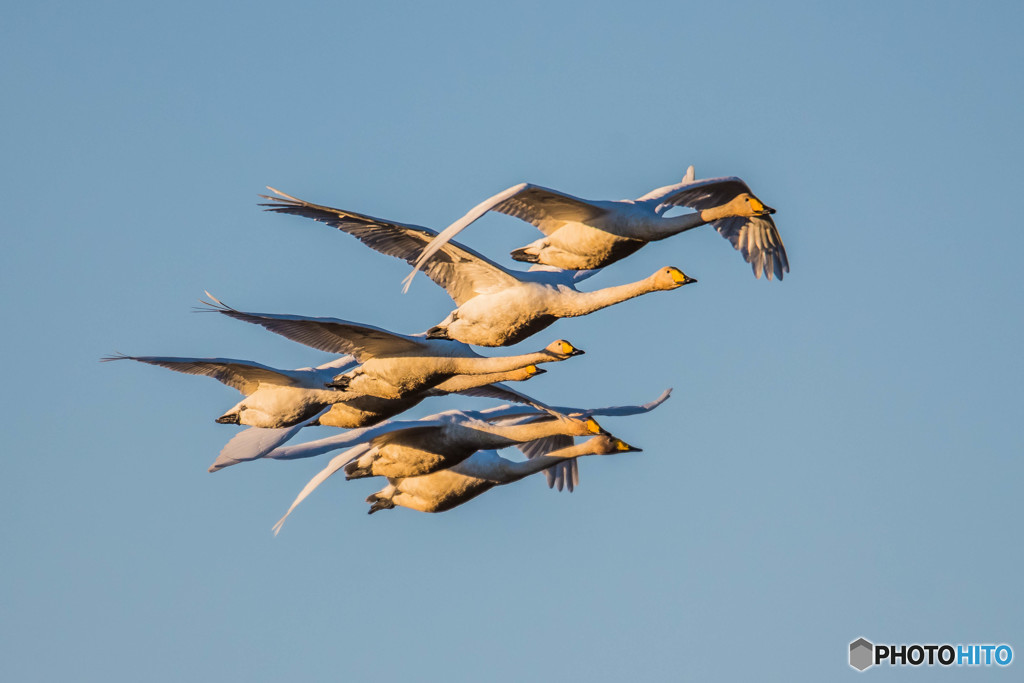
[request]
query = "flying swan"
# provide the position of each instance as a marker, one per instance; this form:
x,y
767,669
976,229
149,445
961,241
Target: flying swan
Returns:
x,y
583,234
496,307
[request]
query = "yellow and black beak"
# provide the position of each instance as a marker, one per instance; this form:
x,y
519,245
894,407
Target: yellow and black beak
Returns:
x,y
681,278
624,447
570,350
760,207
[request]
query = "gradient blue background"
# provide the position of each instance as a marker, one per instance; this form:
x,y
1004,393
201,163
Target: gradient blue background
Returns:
x,y
842,453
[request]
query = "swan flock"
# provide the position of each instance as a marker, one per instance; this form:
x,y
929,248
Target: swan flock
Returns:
x,y
436,463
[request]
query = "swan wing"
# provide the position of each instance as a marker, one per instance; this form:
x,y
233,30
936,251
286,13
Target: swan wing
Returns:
x,y
462,272
243,375
625,410
502,392
336,464
327,334
755,237
562,475
544,208
254,443
351,437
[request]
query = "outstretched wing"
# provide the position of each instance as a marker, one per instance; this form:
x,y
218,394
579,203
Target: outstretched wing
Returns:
x,y
565,474
623,410
755,237
462,272
544,208
254,443
327,334
243,375
502,392
351,437
336,464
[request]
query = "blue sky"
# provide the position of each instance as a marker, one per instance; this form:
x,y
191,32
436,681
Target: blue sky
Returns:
x,y
841,456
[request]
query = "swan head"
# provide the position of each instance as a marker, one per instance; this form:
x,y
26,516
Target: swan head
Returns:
x,y
578,426
563,349
623,447
606,444
522,374
746,204
671,277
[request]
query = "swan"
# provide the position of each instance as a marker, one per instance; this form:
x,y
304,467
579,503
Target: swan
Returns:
x,y
416,447
496,307
392,365
445,489
357,413
582,234
282,398
416,435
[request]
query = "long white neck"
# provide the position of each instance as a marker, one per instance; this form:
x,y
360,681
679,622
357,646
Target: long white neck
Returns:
x,y
528,432
500,364
514,471
464,382
582,303
666,227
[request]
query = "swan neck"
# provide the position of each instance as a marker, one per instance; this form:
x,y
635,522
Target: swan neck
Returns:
x,y
500,364
529,432
674,225
588,302
518,470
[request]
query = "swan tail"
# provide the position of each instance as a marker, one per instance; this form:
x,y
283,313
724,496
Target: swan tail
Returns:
x,y
380,500
525,255
438,332
361,466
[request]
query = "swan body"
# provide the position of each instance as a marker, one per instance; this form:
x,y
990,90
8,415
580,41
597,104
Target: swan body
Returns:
x,y
482,471
366,411
496,306
456,436
517,312
392,365
273,397
283,398
584,234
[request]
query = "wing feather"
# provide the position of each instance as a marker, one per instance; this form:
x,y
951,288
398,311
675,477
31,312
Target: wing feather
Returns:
x,y
243,375
462,272
327,334
336,464
756,237
544,208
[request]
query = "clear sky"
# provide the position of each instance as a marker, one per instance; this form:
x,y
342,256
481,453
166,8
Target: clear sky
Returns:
x,y
842,455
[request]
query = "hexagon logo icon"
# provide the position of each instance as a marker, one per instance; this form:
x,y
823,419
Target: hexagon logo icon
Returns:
x,y
861,654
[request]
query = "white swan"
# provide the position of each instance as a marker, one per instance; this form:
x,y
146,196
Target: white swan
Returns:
x,y
392,365
583,234
282,398
496,307
407,445
273,397
356,414
446,489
